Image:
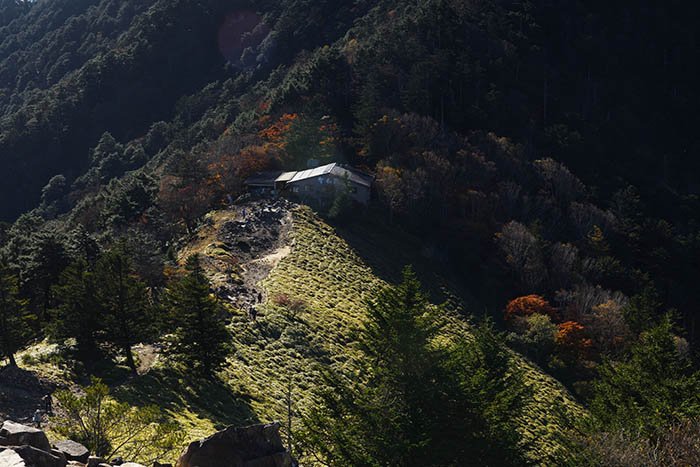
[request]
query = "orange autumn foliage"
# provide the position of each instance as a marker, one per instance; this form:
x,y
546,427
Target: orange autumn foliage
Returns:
x,y
275,134
572,340
529,305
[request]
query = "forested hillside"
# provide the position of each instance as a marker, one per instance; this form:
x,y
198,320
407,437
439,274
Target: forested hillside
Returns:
x,y
538,157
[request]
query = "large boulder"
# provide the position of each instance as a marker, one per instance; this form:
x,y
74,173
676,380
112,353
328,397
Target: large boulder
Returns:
x,y
73,451
34,457
9,458
252,446
15,434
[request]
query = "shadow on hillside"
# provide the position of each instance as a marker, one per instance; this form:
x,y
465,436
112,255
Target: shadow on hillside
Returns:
x,y
20,393
170,390
387,250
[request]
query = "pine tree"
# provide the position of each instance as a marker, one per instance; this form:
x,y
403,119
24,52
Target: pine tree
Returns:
x,y
14,328
77,314
654,387
201,338
417,402
45,261
126,312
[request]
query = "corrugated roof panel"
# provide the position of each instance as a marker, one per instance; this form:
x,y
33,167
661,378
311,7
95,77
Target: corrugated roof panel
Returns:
x,y
353,175
285,177
312,173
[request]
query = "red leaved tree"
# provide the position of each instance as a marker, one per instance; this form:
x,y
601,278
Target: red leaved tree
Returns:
x,y
529,305
572,341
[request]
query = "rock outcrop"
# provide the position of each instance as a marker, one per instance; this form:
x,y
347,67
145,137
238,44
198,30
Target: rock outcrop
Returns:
x,y
33,457
9,458
15,434
25,446
252,446
72,450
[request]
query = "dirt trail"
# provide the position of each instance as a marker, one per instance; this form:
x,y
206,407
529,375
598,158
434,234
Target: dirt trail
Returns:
x,y
239,247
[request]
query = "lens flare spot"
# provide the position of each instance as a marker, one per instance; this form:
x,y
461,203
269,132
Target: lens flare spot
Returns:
x,y
240,30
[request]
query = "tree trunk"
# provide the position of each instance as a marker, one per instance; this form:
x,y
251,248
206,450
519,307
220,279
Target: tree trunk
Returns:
x,y
13,362
130,359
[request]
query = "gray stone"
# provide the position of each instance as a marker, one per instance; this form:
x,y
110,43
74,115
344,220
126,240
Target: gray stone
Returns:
x,y
132,464
73,451
16,434
9,458
256,445
34,457
60,455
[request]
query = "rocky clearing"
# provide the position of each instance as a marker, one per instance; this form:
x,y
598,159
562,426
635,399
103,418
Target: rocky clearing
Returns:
x,y
239,247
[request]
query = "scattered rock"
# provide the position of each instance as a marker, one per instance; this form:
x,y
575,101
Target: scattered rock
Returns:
x,y
15,434
60,455
132,464
9,458
73,451
258,445
261,228
34,457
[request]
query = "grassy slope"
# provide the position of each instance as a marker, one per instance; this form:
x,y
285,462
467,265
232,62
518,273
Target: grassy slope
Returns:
x,y
276,357
333,280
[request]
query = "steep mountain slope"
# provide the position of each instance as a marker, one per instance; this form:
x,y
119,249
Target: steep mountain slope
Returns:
x,y
275,369
139,118
277,355
327,274
218,73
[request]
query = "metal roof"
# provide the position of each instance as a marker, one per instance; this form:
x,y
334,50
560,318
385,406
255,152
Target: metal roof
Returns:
x,y
334,169
353,175
285,177
312,173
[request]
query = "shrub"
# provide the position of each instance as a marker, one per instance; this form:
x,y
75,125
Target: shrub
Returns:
x,y
109,428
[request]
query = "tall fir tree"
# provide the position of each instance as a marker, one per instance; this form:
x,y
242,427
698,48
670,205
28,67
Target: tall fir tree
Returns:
x,y
126,312
14,318
654,387
77,314
41,268
417,401
200,338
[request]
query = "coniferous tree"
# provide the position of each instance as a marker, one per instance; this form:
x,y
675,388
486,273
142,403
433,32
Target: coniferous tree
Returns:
x,y
14,328
200,336
417,402
77,314
122,297
47,258
654,387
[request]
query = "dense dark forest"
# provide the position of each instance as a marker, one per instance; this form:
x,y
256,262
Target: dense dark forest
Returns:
x,y
544,153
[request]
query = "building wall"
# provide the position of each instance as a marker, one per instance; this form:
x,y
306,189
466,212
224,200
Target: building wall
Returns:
x,y
322,190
